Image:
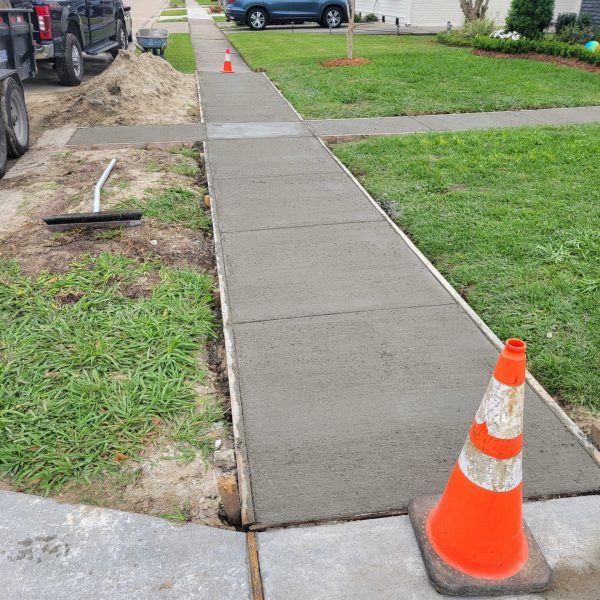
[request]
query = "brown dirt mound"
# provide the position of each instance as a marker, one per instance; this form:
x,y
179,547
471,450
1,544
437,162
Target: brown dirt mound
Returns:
x,y
346,62
133,90
557,60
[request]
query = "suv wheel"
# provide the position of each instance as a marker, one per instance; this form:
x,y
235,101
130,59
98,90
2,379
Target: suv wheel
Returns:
x,y
14,118
332,17
256,19
121,37
70,66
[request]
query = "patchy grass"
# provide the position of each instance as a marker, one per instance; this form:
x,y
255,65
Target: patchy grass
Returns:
x,y
407,75
173,205
512,219
180,52
95,361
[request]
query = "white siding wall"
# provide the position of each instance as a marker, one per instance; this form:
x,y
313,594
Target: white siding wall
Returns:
x,y
436,13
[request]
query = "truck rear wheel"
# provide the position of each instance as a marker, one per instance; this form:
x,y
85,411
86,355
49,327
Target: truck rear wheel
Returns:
x,y
3,151
121,39
14,117
70,66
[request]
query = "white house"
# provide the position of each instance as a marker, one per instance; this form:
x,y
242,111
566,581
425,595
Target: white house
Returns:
x,y
437,13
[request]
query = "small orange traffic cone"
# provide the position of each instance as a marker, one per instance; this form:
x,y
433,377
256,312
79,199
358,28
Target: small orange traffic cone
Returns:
x,y
227,68
473,540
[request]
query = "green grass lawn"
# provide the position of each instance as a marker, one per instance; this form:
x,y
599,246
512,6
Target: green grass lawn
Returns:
x,y
512,219
88,370
218,18
180,52
174,12
207,3
408,75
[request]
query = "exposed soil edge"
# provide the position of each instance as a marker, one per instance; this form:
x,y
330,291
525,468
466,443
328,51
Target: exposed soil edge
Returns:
x,y
557,60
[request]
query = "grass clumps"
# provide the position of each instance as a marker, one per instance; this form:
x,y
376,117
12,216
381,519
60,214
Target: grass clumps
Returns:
x,y
175,205
95,361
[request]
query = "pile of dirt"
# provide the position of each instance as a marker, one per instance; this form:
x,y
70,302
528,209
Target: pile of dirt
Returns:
x,y
346,62
557,60
133,90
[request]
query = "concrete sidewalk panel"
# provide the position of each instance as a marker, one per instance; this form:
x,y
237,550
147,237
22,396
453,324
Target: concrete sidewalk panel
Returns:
x,y
375,126
236,131
247,204
140,134
325,269
379,559
459,122
568,116
52,551
228,159
357,413
236,111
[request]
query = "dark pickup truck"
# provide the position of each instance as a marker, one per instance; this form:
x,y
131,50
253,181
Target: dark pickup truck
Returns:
x,y
65,29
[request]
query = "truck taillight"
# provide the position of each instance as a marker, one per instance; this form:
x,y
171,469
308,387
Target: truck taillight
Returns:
x,y
44,22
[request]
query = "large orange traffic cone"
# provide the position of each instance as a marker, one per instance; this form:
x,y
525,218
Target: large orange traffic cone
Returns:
x,y
473,540
227,68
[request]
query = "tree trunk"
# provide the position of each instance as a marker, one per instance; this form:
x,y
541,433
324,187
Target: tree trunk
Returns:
x,y
349,34
474,9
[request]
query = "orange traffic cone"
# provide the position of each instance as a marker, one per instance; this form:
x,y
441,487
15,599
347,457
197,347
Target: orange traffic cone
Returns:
x,y
227,68
473,540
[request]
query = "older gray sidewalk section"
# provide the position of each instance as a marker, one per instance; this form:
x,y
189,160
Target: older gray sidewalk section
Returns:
x,y
331,129
379,559
357,374
52,551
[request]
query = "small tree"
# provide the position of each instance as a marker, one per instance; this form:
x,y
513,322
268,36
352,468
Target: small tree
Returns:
x,y
349,34
474,9
530,17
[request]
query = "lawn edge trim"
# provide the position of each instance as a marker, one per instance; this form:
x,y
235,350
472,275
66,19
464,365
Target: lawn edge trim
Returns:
x,y
241,456
556,409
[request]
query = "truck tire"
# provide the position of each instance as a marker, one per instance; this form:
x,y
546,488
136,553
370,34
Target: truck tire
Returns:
x,y
3,151
69,67
121,38
14,117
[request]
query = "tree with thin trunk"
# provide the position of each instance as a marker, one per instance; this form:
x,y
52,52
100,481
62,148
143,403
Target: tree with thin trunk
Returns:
x,y
474,9
349,41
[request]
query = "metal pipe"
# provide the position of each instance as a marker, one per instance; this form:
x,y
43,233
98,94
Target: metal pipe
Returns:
x,y
100,185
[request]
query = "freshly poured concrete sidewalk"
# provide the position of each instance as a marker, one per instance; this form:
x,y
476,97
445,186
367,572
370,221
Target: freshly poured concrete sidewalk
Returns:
x,y
355,374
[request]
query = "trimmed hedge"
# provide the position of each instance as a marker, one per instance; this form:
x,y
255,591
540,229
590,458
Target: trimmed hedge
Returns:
x,y
453,38
549,47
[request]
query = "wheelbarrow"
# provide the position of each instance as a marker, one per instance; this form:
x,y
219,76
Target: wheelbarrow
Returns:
x,y
153,40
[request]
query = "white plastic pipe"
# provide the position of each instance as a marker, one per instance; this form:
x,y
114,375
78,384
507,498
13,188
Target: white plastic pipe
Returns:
x,y
100,185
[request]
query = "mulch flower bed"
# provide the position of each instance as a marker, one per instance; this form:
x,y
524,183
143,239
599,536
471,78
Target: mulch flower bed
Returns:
x,y
557,60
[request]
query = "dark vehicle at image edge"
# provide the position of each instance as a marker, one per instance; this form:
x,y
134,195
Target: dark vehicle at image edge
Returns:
x,y
65,29
258,14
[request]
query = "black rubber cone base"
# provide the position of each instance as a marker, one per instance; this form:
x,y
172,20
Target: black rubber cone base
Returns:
x,y
535,576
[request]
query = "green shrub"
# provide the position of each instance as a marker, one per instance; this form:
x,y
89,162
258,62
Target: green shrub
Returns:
x,y
454,38
573,29
530,17
564,20
549,47
357,18
371,18
478,27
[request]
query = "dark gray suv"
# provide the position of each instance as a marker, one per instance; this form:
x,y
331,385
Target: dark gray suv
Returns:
x,y
258,14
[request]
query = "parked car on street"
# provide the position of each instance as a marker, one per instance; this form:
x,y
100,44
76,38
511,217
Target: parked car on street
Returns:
x,y
65,29
258,14
17,62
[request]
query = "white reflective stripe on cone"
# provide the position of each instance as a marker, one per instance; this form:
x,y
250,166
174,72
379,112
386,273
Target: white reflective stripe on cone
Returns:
x,y
502,409
490,473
